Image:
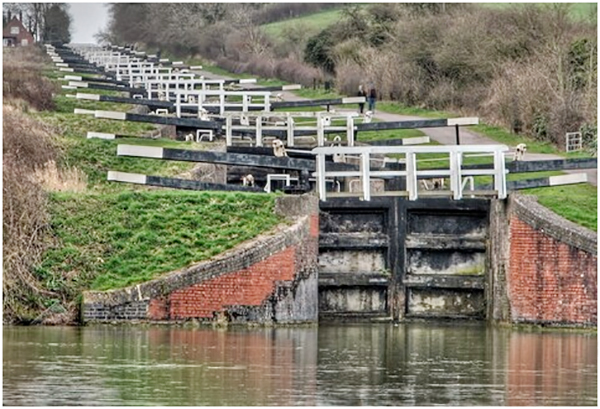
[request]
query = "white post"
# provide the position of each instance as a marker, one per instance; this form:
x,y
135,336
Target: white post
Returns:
x,y
411,176
499,175
455,175
267,103
320,131
259,141
321,187
290,131
350,130
365,165
244,103
178,104
228,130
222,103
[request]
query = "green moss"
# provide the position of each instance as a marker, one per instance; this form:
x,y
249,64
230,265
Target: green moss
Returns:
x,y
470,270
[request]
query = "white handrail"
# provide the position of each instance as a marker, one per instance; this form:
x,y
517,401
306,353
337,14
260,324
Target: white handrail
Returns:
x,y
455,171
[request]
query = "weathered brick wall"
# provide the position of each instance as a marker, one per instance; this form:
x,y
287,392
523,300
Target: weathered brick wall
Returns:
x,y
270,279
552,272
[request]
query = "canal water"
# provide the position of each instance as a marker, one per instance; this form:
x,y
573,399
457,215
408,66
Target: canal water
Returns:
x,y
367,364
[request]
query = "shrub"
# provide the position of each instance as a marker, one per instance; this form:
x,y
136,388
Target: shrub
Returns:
x,y
27,146
22,78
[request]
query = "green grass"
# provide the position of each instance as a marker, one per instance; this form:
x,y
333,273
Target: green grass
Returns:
x,y
312,23
503,136
67,105
114,240
397,108
577,203
578,11
391,134
71,124
95,157
319,93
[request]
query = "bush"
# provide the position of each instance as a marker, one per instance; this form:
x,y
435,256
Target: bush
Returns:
x,y
22,78
28,145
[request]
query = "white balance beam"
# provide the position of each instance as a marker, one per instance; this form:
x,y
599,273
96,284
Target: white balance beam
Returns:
x,y
83,95
78,84
567,179
421,140
126,177
140,151
84,111
463,121
101,135
121,116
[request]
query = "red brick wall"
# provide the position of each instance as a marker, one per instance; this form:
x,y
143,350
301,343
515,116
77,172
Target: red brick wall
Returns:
x,y
247,287
550,281
314,225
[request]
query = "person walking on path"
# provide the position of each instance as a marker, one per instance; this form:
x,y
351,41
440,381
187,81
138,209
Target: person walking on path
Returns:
x,y
361,93
372,98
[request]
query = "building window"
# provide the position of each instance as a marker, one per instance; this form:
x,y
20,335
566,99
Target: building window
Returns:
x,y
14,30
24,42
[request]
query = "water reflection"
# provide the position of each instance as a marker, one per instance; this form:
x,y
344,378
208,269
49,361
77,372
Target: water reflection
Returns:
x,y
411,364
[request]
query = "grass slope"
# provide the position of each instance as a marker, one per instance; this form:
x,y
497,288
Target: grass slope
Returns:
x,y
577,203
311,23
113,240
577,11
115,234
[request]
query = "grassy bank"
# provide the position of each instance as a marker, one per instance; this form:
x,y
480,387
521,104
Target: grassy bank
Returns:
x,y
577,11
93,234
577,203
312,23
113,240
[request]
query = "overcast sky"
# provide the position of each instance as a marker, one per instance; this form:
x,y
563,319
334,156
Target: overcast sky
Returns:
x,y
88,19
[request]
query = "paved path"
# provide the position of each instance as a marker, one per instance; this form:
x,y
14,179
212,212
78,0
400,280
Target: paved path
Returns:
x,y
444,136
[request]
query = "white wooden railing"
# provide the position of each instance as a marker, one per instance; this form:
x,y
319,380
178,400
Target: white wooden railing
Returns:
x,y
455,172
219,98
285,121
